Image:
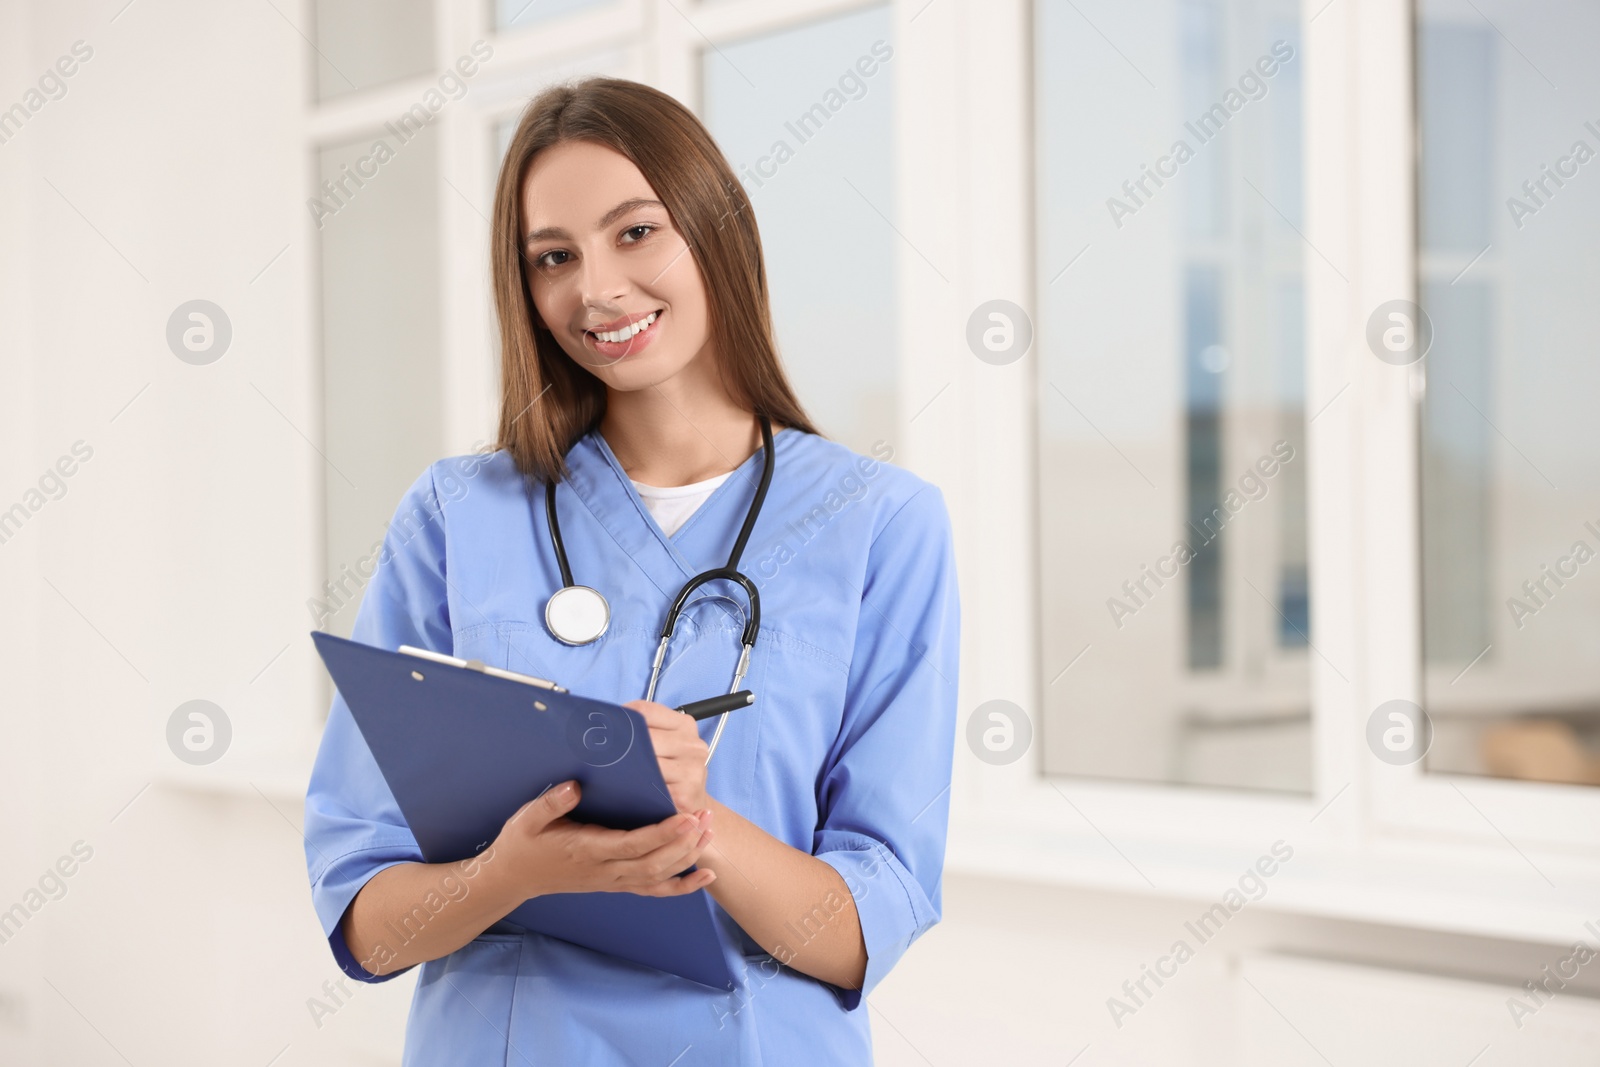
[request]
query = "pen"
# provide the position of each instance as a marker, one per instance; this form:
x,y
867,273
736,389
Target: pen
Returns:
x,y
479,665
704,709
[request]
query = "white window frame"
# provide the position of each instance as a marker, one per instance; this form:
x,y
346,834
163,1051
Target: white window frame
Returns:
x,y
1378,843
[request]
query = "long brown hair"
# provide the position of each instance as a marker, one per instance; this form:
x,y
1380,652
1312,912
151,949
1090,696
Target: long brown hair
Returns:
x,y
547,402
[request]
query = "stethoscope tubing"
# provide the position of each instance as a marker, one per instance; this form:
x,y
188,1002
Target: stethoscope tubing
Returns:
x,y
730,572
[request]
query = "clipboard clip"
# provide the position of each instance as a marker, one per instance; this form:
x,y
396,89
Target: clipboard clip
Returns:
x,y
479,666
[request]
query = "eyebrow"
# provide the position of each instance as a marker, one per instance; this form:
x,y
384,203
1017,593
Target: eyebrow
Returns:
x,y
605,220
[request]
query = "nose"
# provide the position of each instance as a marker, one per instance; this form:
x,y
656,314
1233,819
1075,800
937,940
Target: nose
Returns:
x,y
601,286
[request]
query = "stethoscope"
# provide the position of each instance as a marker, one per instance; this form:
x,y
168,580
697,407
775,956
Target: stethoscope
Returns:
x,y
579,614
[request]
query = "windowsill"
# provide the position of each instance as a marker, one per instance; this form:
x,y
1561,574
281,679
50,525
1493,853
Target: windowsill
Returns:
x,y
280,779
1467,889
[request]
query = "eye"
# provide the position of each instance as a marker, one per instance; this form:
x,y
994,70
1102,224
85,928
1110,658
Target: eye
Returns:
x,y
539,261
646,227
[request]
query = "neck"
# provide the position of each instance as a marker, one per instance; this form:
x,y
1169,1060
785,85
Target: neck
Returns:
x,y
668,437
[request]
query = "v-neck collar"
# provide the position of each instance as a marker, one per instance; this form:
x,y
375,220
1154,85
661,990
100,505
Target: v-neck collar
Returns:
x,y
608,493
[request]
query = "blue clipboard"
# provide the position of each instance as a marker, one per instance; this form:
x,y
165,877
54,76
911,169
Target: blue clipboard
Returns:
x,y
462,750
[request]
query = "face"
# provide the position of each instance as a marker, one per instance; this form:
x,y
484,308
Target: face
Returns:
x,y
603,257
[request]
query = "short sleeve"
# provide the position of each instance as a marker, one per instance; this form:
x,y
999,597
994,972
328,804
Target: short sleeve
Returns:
x,y
353,828
884,797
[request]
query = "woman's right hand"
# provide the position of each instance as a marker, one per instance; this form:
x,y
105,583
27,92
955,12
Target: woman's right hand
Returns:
x,y
540,851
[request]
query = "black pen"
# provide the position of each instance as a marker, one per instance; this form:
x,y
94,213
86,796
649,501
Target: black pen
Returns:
x,y
704,709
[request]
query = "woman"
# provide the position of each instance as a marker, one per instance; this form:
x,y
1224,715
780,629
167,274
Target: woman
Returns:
x,y
640,377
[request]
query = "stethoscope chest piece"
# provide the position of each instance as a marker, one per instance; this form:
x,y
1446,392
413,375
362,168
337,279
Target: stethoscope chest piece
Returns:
x,y
577,614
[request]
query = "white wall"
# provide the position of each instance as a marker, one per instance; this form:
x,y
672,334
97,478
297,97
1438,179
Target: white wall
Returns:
x,y
1022,974
19,588
166,172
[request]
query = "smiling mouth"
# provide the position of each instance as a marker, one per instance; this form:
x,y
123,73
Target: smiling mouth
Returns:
x,y
627,333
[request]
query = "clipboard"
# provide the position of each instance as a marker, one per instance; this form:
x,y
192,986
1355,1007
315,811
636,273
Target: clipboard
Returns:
x,y
462,749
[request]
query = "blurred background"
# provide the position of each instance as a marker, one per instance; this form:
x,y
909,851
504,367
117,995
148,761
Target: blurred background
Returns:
x,y
1251,342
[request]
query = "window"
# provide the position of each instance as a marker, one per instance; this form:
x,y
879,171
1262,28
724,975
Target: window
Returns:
x,y
813,149
381,369
1172,452
362,44
1509,209
513,13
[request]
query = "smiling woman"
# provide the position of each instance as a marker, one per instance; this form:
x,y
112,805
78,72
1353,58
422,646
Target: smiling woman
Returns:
x,y
637,356
666,229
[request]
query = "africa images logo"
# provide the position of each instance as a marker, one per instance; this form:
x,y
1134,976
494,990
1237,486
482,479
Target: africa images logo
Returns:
x,y
337,192
1205,129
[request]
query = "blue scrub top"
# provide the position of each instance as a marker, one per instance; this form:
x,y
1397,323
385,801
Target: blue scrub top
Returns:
x,y
846,753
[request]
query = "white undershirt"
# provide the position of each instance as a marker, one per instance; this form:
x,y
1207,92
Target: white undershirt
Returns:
x,y
672,505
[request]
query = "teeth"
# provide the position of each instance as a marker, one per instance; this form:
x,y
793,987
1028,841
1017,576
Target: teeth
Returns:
x,y
615,336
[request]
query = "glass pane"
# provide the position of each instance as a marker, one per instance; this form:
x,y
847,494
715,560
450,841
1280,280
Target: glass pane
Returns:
x,y
365,43
1509,216
510,13
802,121
1172,409
379,252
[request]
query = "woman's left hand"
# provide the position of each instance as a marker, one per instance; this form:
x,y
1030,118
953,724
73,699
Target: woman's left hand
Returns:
x,y
680,751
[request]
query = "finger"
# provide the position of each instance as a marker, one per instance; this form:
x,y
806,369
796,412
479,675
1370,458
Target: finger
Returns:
x,y
657,714
660,862
603,844
674,736
677,887
647,877
600,845
668,722
676,739
663,862
679,745
548,806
